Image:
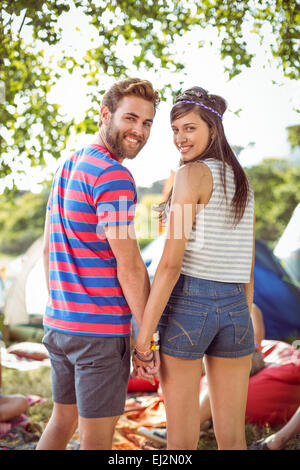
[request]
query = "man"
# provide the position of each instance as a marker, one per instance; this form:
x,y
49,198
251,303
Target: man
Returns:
x,y
95,273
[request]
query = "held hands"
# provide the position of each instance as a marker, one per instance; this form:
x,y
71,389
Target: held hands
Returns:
x,y
146,361
146,367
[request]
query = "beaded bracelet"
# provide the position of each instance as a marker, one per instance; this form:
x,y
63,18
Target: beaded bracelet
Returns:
x,y
155,341
144,353
141,358
155,346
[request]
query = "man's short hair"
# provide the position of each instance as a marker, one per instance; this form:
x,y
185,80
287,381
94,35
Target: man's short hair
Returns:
x,y
130,87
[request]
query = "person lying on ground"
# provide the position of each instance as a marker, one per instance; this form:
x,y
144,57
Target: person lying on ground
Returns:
x,y
12,406
279,439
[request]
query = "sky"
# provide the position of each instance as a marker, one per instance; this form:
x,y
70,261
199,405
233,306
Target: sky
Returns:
x,y
267,99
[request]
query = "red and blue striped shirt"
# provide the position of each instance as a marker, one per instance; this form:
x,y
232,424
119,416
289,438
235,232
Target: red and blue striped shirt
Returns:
x,y
90,190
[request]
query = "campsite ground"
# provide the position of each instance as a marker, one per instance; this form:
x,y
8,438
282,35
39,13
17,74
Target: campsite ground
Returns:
x,y
38,382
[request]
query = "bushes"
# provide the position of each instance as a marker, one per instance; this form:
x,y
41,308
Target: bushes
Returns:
x,y
22,221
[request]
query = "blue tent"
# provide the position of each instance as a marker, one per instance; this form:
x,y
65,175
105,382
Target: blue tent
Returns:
x,y
276,295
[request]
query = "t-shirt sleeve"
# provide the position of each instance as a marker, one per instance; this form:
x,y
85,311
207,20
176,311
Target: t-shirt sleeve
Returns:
x,y
114,198
50,199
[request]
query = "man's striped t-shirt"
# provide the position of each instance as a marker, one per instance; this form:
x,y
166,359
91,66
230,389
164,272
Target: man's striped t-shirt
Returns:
x,y
90,190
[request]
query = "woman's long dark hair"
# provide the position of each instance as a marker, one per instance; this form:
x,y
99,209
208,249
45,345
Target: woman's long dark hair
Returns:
x,y
218,148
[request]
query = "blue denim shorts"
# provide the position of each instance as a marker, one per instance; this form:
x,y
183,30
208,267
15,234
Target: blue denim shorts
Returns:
x,y
91,372
206,317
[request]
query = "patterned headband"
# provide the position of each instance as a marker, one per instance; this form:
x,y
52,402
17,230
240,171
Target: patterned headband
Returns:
x,y
202,105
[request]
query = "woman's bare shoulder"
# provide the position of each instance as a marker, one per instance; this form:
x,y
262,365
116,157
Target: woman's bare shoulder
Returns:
x,y
193,168
194,172
193,180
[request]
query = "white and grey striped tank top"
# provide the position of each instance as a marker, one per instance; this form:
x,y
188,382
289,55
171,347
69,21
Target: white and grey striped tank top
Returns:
x,y
217,250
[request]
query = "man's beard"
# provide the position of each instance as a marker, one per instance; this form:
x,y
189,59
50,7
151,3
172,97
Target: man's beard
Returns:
x,y
117,144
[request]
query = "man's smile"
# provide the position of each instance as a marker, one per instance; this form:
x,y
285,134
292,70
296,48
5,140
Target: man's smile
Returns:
x,y
132,140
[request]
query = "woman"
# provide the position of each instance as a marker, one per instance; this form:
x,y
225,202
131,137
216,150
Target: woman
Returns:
x,y
203,287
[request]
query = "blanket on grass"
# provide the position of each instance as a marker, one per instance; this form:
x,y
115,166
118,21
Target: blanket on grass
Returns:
x,y
138,428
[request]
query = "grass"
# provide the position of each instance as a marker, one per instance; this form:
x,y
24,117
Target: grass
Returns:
x,y
38,382
33,382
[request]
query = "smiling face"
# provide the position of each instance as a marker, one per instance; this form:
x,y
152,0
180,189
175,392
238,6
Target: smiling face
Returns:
x,y
127,130
191,135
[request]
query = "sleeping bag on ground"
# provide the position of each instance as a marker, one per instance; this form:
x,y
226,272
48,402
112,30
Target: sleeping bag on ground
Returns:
x,y
141,385
274,392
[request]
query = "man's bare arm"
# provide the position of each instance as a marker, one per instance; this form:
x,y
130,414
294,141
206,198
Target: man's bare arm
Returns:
x,y
131,270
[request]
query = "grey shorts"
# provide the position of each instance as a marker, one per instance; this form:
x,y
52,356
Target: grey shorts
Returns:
x,y
91,372
206,317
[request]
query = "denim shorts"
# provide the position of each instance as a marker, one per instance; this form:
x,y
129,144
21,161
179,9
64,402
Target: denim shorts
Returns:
x,y
206,317
91,372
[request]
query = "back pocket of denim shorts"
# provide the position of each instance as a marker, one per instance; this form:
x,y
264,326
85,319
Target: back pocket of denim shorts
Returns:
x,y
243,329
184,328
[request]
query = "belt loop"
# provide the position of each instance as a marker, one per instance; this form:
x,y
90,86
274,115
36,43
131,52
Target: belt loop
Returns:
x,y
212,289
186,284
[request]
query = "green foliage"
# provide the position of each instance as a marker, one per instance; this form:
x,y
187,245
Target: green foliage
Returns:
x,y
277,192
154,26
32,129
22,221
146,220
41,15
294,136
143,242
36,127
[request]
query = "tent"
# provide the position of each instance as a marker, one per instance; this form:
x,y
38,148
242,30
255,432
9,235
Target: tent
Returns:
x,y
27,294
276,295
288,246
